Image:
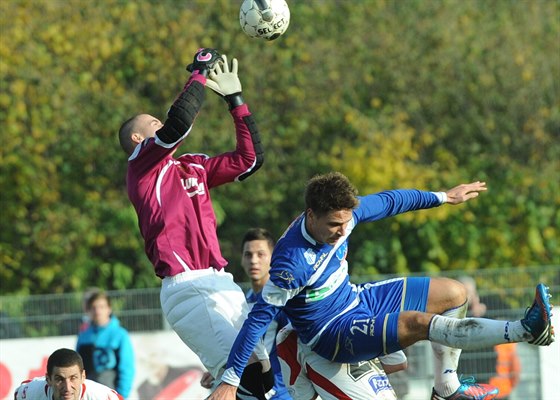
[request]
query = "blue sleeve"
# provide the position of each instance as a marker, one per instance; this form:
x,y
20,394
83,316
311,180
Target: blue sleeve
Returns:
x,y
126,365
282,320
381,205
252,331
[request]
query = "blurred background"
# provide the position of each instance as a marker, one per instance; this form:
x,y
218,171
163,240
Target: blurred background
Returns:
x,y
393,93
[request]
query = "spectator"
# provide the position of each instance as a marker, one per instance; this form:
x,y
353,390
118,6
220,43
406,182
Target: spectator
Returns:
x,y
105,346
85,297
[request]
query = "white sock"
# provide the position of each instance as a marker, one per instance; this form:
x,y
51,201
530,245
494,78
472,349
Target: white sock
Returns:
x,y
475,333
446,359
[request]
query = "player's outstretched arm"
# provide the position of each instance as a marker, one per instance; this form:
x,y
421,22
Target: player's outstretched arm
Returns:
x,y
185,108
466,191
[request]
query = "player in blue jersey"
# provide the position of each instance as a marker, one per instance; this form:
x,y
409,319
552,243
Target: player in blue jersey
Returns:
x,y
344,322
307,375
256,248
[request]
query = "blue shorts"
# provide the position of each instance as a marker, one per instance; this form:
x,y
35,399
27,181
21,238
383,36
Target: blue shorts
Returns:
x,y
370,329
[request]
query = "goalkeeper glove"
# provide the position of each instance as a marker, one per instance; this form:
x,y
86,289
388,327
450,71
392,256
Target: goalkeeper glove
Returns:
x,y
225,82
204,60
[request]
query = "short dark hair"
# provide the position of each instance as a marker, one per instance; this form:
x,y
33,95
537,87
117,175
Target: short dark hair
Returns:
x,y
96,296
62,358
258,234
330,192
125,133
87,294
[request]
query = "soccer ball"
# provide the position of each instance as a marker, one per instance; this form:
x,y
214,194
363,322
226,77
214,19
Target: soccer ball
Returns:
x,y
267,24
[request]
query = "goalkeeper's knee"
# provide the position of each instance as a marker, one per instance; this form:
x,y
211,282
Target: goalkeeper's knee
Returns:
x,y
256,384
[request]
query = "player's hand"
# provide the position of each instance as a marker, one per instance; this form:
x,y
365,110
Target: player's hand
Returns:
x,y
464,192
205,60
207,380
224,391
226,83
224,80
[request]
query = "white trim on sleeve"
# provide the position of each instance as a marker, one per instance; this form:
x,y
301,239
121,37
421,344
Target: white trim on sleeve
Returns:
x,y
442,197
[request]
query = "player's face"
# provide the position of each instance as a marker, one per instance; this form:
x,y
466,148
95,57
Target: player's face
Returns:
x,y
330,227
148,125
255,260
100,312
66,382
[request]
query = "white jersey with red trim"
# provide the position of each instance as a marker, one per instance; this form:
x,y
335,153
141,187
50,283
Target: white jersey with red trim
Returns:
x,y
38,389
307,374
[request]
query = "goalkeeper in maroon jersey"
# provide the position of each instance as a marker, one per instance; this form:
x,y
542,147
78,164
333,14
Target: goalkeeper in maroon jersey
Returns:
x,y
171,196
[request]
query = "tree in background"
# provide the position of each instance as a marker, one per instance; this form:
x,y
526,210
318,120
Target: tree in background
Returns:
x,y
391,93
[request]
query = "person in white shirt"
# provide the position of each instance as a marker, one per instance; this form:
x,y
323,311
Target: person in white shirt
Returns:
x,y
65,380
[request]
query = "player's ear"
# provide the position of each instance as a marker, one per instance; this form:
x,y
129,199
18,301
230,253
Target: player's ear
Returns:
x,y
137,137
309,214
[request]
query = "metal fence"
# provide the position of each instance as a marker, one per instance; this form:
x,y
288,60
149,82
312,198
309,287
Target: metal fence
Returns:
x,y
506,293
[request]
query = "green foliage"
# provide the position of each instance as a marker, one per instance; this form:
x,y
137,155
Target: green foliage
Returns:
x,y
392,93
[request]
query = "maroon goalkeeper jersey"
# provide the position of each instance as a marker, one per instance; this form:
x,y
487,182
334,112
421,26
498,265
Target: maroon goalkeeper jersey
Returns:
x,y
172,199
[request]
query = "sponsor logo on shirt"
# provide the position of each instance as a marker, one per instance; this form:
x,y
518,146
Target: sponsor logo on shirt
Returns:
x,y
320,261
192,187
334,281
310,256
379,383
317,294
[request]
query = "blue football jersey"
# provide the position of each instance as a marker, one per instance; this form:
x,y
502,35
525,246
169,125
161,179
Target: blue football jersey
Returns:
x,y
309,281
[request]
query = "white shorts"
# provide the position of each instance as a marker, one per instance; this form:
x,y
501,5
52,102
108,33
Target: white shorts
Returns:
x,y
206,308
306,374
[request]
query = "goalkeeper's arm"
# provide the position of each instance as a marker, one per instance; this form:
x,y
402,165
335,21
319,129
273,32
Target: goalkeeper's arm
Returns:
x,y
184,110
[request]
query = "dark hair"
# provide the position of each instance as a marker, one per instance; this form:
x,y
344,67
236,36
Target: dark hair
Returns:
x,y
64,358
87,294
96,296
330,192
258,234
125,133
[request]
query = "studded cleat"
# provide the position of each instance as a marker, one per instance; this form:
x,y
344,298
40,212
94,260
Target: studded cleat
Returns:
x,y
537,318
470,390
